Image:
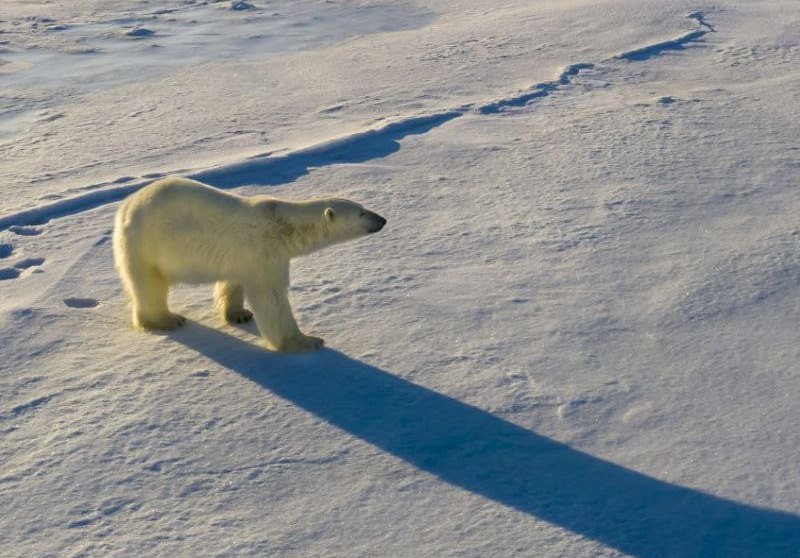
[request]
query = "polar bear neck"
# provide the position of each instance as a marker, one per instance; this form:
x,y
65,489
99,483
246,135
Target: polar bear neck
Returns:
x,y
300,226
301,238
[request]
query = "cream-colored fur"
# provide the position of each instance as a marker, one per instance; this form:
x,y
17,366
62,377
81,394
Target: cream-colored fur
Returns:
x,y
177,230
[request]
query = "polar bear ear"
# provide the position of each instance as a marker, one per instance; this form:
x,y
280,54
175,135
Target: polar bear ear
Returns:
x,y
330,214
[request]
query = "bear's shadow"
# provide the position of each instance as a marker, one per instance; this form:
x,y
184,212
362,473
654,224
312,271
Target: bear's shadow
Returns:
x,y
474,450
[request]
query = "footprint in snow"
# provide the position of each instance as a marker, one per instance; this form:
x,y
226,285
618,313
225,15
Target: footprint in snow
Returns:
x,y
25,231
6,250
77,302
46,116
9,273
138,32
29,262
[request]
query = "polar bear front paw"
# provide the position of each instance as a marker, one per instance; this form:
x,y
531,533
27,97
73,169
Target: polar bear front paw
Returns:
x,y
314,343
168,322
238,316
302,344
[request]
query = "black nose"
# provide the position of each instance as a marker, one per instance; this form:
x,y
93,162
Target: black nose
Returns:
x,y
377,223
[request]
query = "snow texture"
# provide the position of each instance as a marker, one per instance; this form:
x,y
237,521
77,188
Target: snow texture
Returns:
x,y
576,336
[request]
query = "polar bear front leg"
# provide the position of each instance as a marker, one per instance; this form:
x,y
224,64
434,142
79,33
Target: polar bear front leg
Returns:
x,y
275,320
230,301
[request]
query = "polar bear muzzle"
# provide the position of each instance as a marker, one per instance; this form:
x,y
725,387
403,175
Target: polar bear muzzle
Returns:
x,y
376,222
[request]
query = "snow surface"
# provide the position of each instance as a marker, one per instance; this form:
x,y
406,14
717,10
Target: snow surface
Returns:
x,y
576,337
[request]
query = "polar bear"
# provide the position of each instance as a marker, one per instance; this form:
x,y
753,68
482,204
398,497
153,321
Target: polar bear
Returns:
x,y
177,230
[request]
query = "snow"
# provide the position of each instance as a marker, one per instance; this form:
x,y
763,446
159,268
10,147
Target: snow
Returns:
x,y
576,335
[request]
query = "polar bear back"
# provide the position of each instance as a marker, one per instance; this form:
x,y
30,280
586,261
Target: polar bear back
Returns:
x,y
193,233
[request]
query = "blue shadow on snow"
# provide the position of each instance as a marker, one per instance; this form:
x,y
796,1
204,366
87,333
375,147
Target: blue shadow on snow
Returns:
x,y
488,456
658,49
272,170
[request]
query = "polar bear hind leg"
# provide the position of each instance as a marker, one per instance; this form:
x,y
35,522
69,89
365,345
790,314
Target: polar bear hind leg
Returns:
x,y
148,290
229,298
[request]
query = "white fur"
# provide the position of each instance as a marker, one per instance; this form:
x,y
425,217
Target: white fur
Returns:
x,y
181,231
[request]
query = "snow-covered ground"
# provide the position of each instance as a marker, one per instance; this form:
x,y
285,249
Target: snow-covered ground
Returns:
x,y
576,337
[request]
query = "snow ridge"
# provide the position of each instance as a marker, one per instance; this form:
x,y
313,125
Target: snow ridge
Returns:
x,y
354,148
538,90
60,208
679,43
266,170
700,17
645,52
381,141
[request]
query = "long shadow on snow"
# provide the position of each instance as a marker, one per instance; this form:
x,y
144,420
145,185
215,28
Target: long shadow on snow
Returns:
x,y
479,452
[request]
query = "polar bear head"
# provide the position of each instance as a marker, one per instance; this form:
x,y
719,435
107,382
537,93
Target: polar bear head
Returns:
x,y
311,225
344,220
